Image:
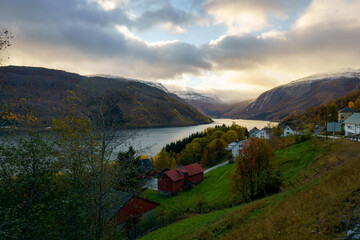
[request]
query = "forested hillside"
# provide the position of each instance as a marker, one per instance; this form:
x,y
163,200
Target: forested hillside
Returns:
x,y
45,93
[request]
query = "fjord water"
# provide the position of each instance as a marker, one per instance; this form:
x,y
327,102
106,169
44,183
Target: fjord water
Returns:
x,y
151,140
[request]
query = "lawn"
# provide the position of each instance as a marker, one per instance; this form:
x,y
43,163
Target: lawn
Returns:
x,y
213,190
294,159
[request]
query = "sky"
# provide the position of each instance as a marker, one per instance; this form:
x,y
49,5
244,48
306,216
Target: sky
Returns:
x,y
232,49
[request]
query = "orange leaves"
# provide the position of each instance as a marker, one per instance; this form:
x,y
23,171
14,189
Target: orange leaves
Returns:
x,y
10,116
247,175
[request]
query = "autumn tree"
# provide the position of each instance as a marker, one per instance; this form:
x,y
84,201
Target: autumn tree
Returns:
x,y
253,174
173,164
214,152
357,104
192,153
278,131
351,105
230,136
86,143
217,134
162,160
332,111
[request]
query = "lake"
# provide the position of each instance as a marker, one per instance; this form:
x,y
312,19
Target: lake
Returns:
x,y
151,140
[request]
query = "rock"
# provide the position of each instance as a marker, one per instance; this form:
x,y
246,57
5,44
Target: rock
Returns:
x,y
313,231
350,233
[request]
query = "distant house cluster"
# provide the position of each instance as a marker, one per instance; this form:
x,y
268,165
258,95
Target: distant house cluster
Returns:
x,y
265,133
172,181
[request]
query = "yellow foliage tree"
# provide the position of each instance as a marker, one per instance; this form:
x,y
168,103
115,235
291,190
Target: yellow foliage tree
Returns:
x,y
230,136
357,104
351,105
173,164
163,160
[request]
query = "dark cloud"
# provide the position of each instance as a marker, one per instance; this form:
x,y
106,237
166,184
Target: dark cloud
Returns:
x,y
86,27
164,14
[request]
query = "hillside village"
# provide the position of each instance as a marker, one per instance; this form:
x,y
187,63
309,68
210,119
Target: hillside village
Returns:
x,y
171,182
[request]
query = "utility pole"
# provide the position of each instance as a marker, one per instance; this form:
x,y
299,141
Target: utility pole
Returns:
x,y
326,133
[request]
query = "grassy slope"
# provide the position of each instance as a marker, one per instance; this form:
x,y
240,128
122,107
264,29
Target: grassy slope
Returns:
x,y
212,189
295,161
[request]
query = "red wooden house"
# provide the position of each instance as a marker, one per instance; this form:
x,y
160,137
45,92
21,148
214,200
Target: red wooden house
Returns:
x,y
128,209
174,180
192,173
170,181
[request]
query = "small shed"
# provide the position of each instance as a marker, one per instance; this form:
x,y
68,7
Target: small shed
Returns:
x,y
192,173
128,209
170,182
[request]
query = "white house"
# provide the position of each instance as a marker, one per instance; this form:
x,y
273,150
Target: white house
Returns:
x,y
352,125
253,132
263,133
236,147
231,145
289,131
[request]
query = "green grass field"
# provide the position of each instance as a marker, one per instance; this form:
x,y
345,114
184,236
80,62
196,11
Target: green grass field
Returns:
x,y
294,159
214,190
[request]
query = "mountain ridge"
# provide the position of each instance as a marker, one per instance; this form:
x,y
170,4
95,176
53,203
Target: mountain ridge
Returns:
x,y
141,105
298,95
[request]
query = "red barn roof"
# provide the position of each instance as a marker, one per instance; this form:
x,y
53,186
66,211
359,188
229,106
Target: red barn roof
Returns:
x,y
127,205
191,169
174,175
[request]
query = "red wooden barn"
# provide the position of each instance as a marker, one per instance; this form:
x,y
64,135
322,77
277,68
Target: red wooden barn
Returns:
x,y
193,173
128,209
170,181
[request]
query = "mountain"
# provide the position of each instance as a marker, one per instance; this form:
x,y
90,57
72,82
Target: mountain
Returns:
x,y
301,94
206,104
141,104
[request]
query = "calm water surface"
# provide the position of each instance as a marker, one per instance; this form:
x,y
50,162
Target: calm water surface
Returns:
x,y
151,140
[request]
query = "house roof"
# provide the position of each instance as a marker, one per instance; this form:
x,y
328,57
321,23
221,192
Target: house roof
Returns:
x,y
120,199
346,109
354,118
191,169
292,128
255,129
284,126
146,165
174,175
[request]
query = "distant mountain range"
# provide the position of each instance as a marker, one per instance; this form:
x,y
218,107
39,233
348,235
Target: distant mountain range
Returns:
x,y
301,94
280,101
142,104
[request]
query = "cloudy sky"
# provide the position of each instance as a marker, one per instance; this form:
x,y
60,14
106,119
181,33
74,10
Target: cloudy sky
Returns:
x,y
235,49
